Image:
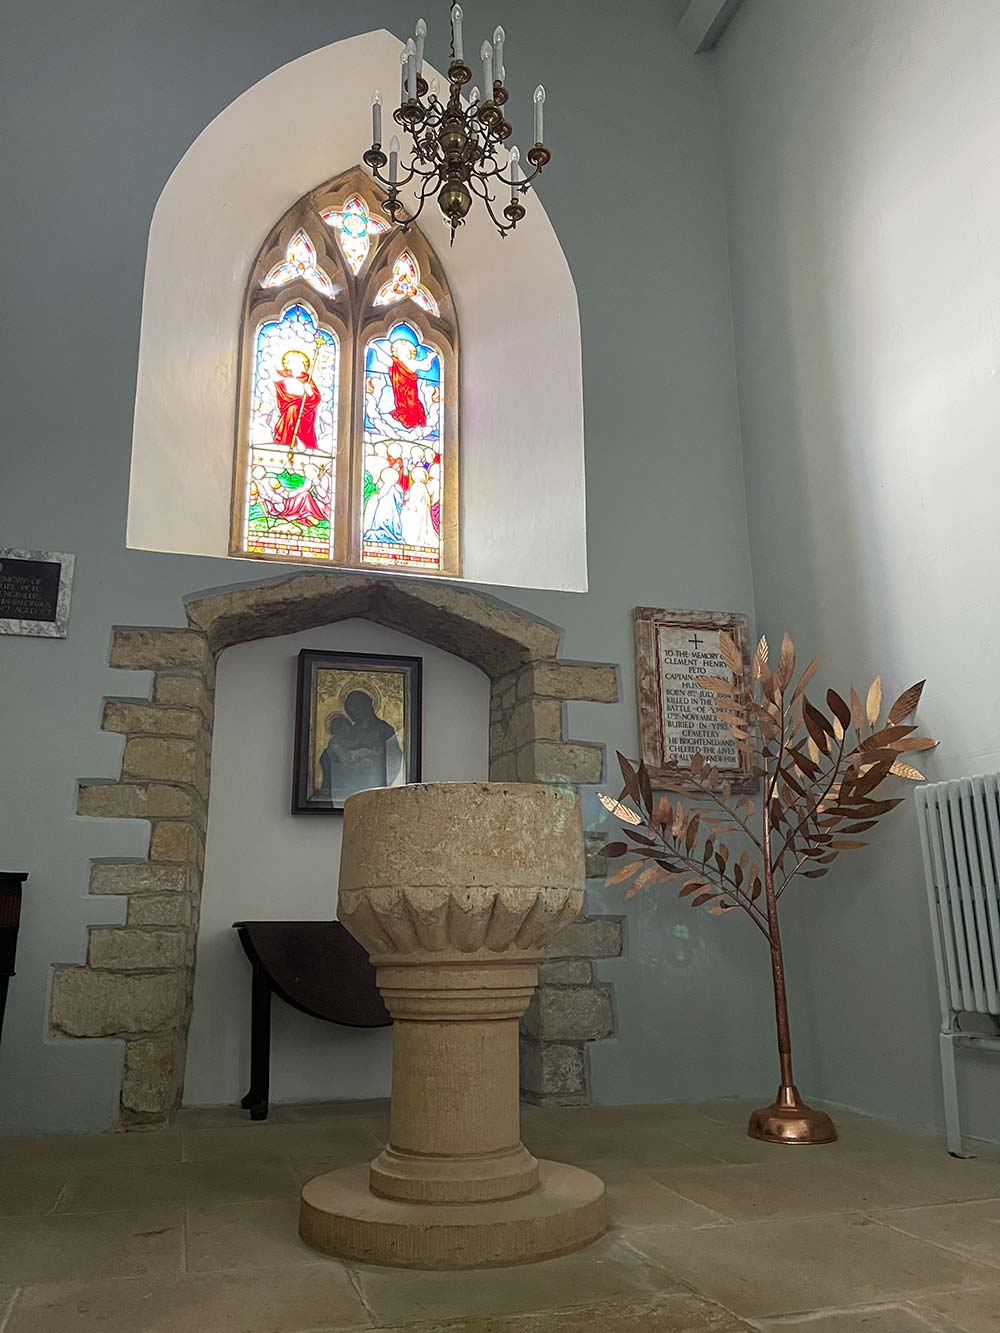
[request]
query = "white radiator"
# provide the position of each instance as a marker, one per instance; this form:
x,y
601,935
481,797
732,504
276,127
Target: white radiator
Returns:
x,y
960,840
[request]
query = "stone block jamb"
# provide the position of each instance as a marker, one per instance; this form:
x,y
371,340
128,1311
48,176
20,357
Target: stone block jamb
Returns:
x,y
137,981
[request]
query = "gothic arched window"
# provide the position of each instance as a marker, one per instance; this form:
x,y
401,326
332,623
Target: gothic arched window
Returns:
x,y
347,433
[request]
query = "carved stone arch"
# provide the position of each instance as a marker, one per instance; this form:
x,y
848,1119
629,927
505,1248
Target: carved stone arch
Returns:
x,y
137,982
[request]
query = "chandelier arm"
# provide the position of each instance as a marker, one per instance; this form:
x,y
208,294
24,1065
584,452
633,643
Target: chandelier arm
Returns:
x,y
502,227
391,185
424,173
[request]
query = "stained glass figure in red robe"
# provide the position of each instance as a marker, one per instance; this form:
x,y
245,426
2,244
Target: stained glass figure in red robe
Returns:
x,y
403,418
298,400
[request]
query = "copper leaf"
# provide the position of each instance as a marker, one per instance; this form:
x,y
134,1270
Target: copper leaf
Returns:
x,y
625,872
902,770
873,704
907,702
857,709
618,809
760,658
730,653
838,707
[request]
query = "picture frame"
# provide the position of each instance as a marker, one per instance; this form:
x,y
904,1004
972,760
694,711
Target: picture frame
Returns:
x,y
677,717
358,725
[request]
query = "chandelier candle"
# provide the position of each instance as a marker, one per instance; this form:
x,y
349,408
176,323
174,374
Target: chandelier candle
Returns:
x,y
393,159
499,37
539,105
421,35
458,145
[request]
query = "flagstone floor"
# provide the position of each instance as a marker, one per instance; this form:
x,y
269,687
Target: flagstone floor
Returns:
x,y
193,1230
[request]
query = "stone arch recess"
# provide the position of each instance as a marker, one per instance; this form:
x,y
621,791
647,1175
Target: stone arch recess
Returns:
x,y
137,981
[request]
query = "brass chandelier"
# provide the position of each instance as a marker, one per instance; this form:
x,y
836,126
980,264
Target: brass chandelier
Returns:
x,y
459,145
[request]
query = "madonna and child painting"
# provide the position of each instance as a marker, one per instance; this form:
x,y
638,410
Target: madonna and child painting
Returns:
x,y
357,725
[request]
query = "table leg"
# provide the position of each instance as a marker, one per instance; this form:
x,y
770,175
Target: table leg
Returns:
x,y
256,1100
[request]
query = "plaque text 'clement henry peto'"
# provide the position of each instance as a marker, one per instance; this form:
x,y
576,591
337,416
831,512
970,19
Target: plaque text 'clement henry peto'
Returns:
x,y
688,719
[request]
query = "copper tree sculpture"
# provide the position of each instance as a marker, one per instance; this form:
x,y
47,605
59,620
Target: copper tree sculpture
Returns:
x,y
820,773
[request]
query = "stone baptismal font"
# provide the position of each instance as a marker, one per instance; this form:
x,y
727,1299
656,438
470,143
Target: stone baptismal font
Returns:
x,y
456,889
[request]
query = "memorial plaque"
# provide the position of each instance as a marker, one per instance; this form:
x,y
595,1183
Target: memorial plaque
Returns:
x,y
677,718
34,592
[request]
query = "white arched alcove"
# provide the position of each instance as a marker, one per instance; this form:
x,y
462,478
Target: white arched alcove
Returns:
x,y
521,411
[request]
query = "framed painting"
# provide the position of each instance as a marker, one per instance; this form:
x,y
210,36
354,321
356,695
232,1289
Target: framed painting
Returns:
x,y
677,717
357,726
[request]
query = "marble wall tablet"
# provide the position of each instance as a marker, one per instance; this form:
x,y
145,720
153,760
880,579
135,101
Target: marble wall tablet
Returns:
x,y
677,717
34,592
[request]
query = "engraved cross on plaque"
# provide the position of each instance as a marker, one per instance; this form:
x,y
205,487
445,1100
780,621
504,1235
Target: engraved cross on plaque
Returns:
x,y
696,641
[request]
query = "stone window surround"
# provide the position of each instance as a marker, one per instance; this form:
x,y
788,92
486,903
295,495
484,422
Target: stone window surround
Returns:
x,y
138,979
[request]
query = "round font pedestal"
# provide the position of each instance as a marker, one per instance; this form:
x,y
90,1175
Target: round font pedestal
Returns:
x,y
455,890
342,1216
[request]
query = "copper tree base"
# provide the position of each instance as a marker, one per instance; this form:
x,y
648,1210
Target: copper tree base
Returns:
x,y
789,1120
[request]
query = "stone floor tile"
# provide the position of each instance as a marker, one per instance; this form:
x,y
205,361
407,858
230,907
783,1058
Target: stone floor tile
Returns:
x,y
729,1110
607,1271
309,1113
936,1177
7,1297
320,1300
192,1118
730,1142
966,1311
969,1229
92,1246
225,1181
136,1147
793,1265
898,1317
247,1236
681,1312
636,1199
350,1138
581,1122
802,1188
31,1191
640,1149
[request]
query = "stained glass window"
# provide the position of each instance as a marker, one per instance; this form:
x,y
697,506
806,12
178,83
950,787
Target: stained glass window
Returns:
x,y
293,437
299,262
356,227
347,443
401,503
405,282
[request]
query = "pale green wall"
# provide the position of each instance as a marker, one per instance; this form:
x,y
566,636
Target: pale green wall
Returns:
x,y
864,207
99,103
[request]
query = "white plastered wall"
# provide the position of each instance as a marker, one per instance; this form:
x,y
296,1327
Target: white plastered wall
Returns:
x,y
523,510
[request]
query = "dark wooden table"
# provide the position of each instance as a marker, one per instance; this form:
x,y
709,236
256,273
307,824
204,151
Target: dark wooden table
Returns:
x,y
317,968
11,882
